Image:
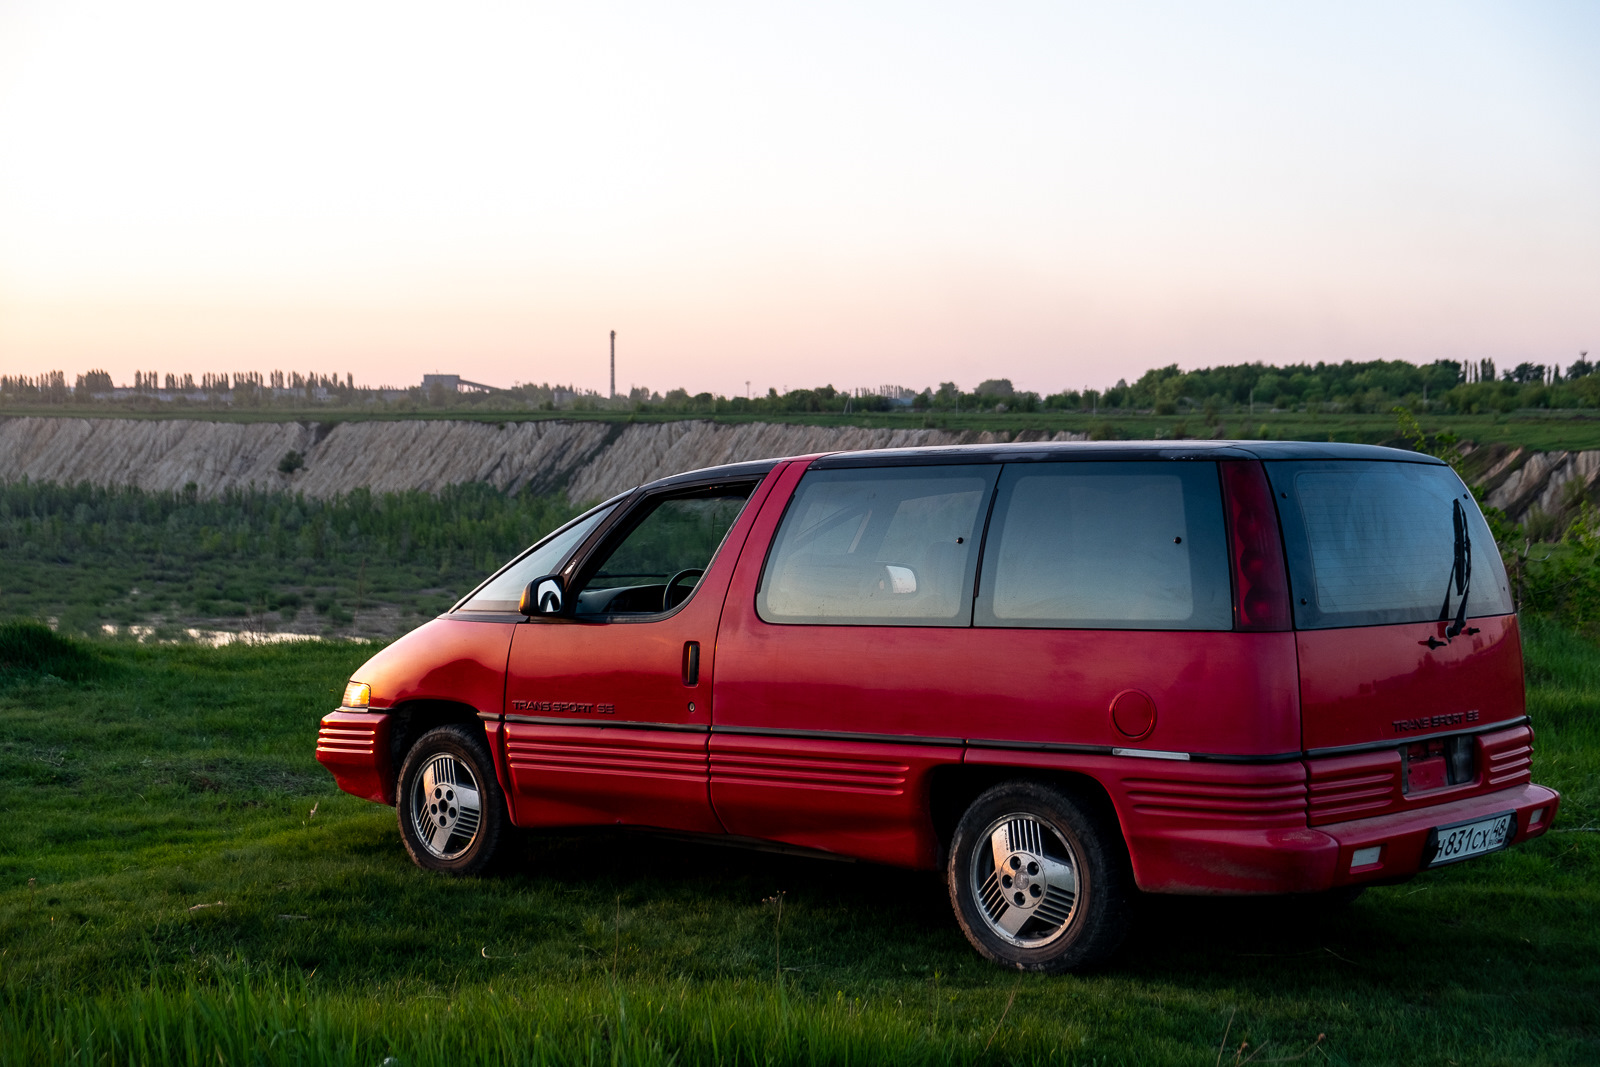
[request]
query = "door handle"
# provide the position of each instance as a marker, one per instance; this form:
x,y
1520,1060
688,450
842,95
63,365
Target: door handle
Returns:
x,y
691,663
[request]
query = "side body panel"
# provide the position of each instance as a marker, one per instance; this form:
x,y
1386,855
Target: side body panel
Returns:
x,y
1199,828
456,660
826,736
452,661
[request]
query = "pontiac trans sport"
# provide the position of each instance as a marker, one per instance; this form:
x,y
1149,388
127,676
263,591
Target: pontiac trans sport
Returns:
x,y
1059,673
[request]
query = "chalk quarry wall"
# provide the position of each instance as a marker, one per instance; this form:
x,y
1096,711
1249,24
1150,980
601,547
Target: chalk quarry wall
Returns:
x,y
587,460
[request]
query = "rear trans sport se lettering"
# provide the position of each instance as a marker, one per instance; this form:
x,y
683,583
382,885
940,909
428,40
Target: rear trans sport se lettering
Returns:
x,y
1057,673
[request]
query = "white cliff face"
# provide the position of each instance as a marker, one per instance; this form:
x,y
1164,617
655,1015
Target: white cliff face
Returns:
x,y
1544,480
645,452
150,454
590,460
393,456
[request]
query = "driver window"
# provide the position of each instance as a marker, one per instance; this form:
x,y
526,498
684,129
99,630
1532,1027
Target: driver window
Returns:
x,y
658,563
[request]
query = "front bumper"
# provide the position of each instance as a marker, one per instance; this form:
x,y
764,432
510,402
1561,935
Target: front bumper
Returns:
x,y
354,745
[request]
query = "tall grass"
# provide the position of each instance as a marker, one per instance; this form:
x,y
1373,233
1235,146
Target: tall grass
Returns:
x,y
180,883
89,556
286,1019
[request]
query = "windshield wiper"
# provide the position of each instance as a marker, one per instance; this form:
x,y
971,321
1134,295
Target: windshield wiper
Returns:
x,y
1460,572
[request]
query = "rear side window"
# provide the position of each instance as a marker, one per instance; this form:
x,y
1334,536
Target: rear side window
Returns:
x,y
1371,543
892,546
1136,546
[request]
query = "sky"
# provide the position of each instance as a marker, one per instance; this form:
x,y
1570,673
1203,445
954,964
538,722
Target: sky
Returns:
x,y
858,193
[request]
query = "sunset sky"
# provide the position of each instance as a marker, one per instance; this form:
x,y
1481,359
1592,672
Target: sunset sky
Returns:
x,y
855,193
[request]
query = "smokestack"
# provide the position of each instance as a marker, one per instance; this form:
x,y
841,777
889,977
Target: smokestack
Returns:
x,y
613,364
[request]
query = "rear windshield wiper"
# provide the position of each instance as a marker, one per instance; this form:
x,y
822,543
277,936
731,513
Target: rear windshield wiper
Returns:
x,y
1460,572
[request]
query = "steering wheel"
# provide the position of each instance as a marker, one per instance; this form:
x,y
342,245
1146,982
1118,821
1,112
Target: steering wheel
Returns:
x,y
666,594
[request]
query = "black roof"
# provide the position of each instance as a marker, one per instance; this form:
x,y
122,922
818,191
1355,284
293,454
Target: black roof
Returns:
x,y
1048,451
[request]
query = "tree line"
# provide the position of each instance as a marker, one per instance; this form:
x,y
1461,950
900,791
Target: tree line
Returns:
x,y
1446,386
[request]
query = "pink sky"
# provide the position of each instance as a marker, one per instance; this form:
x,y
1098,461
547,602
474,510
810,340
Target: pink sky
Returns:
x,y
1059,194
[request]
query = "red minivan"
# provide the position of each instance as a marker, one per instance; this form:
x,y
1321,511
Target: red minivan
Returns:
x,y
1061,672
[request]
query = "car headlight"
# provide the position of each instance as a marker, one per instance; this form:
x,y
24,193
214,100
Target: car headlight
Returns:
x,y
357,695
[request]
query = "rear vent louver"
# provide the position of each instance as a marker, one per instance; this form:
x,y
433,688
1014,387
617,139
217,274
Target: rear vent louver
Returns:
x,y
1508,757
1350,787
1246,804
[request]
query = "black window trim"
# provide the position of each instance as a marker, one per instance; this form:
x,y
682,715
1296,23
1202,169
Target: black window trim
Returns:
x,y
954,458
639,504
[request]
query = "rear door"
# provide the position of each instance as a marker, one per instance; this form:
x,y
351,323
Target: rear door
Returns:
x,y
1405,698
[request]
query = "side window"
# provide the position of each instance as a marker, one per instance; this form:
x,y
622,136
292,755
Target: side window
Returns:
x,y
894,546
503,592
1136,546
657,562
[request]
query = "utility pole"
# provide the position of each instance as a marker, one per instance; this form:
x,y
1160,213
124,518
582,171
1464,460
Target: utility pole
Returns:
x,y
613,364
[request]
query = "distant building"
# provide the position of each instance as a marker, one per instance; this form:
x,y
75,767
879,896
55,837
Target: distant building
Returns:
x,y
454,383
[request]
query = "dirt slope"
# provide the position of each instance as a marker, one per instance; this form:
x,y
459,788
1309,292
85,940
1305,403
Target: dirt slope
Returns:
x,y
589,460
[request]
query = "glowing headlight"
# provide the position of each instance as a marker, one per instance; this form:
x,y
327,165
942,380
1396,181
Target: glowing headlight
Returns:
x,y
357,695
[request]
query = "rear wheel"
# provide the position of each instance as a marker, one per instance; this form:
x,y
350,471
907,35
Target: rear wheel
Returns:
x,y
1037,881
451,811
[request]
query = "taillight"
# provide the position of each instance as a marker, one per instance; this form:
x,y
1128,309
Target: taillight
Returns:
x,y
1260,583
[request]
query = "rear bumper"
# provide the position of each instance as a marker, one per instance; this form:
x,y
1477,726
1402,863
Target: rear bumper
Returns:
x,y
1310,860
354,745
1402,838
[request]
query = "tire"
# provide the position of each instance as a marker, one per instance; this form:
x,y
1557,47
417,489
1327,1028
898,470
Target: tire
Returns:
x,y
451,811
1038,881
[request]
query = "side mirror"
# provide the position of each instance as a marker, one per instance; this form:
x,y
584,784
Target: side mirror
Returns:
x,y
544,596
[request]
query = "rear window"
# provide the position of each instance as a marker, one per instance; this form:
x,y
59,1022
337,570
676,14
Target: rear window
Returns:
x,y
1132,546
888,546
1371,543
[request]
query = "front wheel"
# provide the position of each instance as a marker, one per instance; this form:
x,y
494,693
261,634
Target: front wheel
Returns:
x,y
1037,880
451,811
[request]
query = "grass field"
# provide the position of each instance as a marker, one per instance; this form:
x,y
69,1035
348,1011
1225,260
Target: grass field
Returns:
x,y
180,883
1539,429
362,564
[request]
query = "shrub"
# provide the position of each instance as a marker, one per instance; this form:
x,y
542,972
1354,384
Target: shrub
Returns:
x,y
32,648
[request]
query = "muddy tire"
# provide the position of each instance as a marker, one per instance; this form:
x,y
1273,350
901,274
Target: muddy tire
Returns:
x,y
1038,880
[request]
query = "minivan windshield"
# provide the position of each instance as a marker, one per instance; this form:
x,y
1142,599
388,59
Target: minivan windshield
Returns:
x,y
1371,543
503,592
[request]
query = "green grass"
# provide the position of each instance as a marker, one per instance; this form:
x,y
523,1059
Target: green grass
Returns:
x,y
179,882
361,563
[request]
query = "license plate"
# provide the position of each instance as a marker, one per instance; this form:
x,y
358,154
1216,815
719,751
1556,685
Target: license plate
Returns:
x,y
1463,840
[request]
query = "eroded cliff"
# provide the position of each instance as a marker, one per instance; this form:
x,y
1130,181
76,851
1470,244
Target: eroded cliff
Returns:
x,y
586,460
